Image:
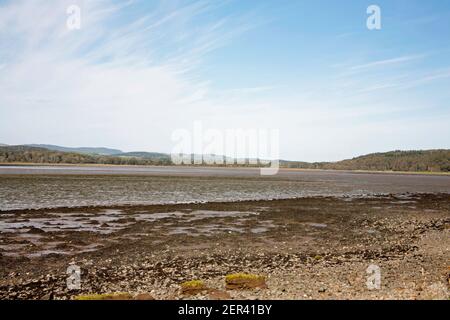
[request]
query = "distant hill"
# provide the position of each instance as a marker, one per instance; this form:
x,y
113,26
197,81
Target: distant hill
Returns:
x,y
143,154
420,160
413,161
87,150
29,154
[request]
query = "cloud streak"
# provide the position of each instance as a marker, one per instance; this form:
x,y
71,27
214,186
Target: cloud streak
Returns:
x,y
113,80
131,76
387,62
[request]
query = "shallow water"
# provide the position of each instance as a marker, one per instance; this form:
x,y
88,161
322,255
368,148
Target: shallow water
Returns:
x,y
105,222
30,236
48,187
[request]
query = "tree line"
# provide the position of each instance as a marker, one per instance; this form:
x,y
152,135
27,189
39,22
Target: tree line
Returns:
x,y
418,161
41,155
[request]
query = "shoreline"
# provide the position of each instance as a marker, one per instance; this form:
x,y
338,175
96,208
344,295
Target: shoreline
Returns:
x,y
88,165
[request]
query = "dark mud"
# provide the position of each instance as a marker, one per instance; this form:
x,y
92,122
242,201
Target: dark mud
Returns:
x,y
69,186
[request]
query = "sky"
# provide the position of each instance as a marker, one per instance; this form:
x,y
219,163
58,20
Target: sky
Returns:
x,y
136,71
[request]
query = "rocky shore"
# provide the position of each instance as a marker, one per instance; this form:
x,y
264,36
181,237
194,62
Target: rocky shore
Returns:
x,y
309,248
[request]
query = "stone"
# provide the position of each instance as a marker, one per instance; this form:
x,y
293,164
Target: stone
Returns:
x,y
240,281
144,296
218,295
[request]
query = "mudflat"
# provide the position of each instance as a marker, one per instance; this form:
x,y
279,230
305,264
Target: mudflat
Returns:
x,y
317,247
25,187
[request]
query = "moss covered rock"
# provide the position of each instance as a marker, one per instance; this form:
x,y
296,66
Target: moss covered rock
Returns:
x,y
193,287
244,281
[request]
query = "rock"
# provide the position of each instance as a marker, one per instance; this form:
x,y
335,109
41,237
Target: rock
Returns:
x,y
144,296
193,287
105,296
48,296
245,281
218,295
34,230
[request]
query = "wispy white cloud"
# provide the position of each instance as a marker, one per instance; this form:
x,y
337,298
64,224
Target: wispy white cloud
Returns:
x,y
387,62
138,75
128,80
440,74
251,90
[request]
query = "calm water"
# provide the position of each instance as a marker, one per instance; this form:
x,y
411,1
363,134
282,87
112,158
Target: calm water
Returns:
x,y
60,186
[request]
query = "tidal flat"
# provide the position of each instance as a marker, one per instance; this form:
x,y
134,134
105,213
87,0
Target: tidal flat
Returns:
x,y
52,186
311,235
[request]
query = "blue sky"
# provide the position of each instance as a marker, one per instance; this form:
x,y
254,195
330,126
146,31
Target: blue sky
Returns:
x,y
138,70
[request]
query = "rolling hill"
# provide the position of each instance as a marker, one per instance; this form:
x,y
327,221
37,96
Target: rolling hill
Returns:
x,y
86,150
419,160
144,155
29,154
412,161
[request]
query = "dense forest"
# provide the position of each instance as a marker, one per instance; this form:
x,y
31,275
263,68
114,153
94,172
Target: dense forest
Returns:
x,y
41,155
429,160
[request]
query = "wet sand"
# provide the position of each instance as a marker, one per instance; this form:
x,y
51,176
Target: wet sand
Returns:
x,y
27,187
308,248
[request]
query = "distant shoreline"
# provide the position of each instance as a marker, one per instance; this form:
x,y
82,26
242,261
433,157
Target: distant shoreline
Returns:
x,y
93,165
413,161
